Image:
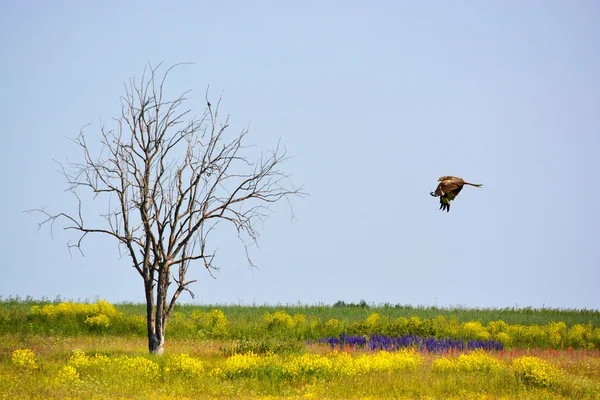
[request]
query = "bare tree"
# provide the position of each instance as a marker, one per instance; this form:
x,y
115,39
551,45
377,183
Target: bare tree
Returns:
x,y
169,179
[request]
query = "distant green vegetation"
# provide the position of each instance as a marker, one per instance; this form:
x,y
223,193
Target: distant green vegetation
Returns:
x,y
281,326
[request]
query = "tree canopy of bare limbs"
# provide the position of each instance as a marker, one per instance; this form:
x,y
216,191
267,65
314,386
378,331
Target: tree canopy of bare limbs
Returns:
x,y
169,179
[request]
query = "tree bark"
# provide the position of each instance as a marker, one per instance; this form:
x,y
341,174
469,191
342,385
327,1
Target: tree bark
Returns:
x,y
158,338
150,319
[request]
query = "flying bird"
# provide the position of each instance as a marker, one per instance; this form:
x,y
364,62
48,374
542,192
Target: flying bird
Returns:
x,y
448,188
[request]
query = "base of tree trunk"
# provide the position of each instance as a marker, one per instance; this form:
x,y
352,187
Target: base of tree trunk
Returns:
x,y
156,347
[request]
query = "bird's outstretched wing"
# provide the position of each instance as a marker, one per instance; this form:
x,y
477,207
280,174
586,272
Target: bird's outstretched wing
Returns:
x,y
447,191
446,187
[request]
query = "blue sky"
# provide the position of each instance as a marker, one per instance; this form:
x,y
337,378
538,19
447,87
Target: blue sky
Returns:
x,y
374,102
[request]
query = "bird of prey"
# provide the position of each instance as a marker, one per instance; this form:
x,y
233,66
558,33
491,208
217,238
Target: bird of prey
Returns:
x,y
448,188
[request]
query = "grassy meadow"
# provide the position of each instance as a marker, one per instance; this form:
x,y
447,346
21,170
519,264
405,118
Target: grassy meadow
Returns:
x,y
69,350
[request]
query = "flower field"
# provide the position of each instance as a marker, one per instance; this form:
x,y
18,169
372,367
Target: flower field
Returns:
x,y
431,344
84,351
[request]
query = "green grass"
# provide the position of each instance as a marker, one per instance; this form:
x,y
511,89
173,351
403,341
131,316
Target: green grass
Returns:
x,y
210,335
579,376
285,327
355,312
15,310
352,312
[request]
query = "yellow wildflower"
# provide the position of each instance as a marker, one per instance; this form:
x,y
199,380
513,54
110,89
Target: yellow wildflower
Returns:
x,y
24,359
535,371
138,366
477,361
68,374
184,365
